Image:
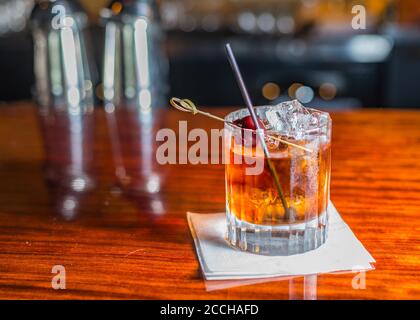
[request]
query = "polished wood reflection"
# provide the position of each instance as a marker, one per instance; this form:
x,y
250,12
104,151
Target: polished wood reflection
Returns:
x,y
138,245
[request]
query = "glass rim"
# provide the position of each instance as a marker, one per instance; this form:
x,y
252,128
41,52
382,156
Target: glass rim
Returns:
x,y
229,123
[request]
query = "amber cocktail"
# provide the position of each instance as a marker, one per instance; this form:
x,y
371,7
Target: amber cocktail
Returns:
x,y
258,220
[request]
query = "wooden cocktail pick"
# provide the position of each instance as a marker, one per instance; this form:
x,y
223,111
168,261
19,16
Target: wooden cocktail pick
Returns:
x,y
187,105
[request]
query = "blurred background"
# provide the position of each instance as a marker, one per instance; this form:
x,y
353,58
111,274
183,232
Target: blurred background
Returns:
x,y
305,49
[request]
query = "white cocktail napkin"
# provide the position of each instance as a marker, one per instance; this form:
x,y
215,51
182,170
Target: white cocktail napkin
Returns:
x,y
342,251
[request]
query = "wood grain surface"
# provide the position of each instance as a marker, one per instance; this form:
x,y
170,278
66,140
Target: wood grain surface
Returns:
x,y
134,242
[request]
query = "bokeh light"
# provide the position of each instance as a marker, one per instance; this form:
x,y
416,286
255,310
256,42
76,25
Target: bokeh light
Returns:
x,y
293,88
327,91
305,94
270,91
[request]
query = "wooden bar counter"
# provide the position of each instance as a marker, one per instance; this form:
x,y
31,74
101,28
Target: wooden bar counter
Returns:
x,y
139,246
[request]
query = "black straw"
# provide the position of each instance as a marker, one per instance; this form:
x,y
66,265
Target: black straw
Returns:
x,y
260,134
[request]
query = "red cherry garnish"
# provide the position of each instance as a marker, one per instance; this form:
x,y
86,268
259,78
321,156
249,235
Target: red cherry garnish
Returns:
x,y
248,123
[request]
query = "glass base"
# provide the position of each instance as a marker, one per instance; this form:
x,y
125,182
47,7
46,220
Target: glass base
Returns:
x,y
283,240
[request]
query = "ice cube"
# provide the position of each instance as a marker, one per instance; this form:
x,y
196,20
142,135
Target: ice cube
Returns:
x,y
315,121
271,143
276,120
291,118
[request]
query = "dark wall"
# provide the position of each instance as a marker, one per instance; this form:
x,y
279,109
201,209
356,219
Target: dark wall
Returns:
x,y
199,70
